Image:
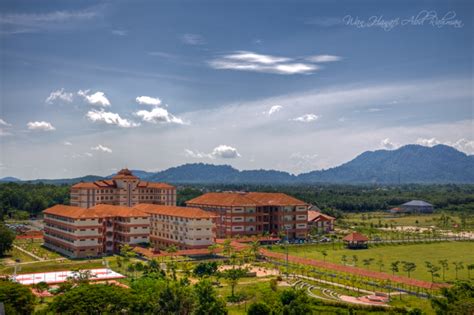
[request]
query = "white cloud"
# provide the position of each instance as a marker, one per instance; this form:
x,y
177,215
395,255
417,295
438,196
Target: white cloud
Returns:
x,y
306,118
388,144
59,95
88,154
67,143
274,109
120,32
40,126
464,145
222,151
97,99
110,118
159,115
323,58
148,100
102,148
4,123
193,39
250,61
304,162
427,142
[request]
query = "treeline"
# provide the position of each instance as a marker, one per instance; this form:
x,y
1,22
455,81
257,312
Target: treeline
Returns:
x,y
332,199
30,198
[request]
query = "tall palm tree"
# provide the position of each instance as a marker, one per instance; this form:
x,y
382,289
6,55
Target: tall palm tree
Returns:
x,y
444,266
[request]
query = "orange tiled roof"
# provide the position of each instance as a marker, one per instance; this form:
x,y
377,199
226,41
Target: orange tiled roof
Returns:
x,y
145,184
355,237
313,215
185,212
245,199
98,211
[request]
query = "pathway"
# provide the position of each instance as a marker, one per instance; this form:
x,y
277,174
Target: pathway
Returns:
x,y
28,253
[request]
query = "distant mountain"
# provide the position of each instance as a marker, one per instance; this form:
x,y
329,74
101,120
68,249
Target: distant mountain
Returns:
x,y
408,164
440,164
9,179
67,181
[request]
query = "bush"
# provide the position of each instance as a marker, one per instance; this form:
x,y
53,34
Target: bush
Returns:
x,y
259,308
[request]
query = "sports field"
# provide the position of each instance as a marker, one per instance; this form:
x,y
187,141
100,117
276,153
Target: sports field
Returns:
x,y
415,253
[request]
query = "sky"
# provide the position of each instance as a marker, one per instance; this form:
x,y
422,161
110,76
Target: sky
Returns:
x,y
90,87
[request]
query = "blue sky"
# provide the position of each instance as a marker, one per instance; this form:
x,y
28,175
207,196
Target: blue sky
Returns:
x,y
88,87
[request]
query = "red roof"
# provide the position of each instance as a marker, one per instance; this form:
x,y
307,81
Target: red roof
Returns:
x,y
355,237
185,212
98,211
318,216
244,199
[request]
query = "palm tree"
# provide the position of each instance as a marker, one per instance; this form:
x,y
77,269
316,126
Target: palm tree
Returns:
x,y
227,247
255,249
469,268
324,253
355,259
40,287
458,265
394,267
444,266
380,264
432,269
344,259
408,267
367,262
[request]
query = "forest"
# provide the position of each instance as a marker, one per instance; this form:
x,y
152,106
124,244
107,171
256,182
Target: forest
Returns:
x,y
20,199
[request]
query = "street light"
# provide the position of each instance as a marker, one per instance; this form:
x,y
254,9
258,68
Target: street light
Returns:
x,y
287,245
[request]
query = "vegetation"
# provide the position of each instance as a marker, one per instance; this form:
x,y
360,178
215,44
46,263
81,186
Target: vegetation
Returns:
x,y
17,298
6,239
458,300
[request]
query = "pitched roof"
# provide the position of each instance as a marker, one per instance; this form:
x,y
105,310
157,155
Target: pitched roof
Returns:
x,y
315,215
417,203
98,211
355,237
223,199
185,212
245,199
125,173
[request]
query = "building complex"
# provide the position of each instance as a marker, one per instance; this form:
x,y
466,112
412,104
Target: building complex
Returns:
x,y
124,189
252,213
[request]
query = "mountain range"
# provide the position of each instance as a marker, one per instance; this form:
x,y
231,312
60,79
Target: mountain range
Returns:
x,y
439,164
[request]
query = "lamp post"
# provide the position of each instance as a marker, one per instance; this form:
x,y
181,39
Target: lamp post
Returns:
x,y
287,249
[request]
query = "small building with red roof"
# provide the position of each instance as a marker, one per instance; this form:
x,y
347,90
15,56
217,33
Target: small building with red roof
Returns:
x,y
320,223
356,240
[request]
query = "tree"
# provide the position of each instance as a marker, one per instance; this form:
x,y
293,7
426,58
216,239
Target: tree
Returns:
x,y
432,269
355,259
367,262
227,247
259,308
469,268
408,267
92,299
80,276
324,253
40,287
255,249
207,301
295,302
233,275
344,259
457,299
458,265
212,249
380,264
394,267
175,298
16,298
6,239
205,269
444,266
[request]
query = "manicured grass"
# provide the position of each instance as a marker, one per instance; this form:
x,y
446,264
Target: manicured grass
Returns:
x,y
413,302
36,247
416,253
15,254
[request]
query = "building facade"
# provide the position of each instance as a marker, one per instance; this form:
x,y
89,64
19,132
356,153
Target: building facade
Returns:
x,y
252,213
320,223
79,232
124,189
183,227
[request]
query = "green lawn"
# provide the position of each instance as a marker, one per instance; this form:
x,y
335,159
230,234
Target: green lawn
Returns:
x,y
36,247
416,253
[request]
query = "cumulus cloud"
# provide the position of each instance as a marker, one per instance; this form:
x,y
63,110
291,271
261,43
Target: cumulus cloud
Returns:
x,y
40,126
388,144
462,144
306,118
222,151
159,115
67,143
148,100
193,39
110,118
323,58
97,99
59,95
427,142
274,109
102,148
3,130
250,61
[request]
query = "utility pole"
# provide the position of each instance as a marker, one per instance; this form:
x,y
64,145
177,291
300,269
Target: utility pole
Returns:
x,y
287,249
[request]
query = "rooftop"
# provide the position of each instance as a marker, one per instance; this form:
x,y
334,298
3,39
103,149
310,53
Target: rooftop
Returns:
x,y
418,203
246,199
313,215
185,212
98,211
355,237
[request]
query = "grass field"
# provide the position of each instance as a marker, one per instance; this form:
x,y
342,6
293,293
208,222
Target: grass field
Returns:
x,y
36,247
416,253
